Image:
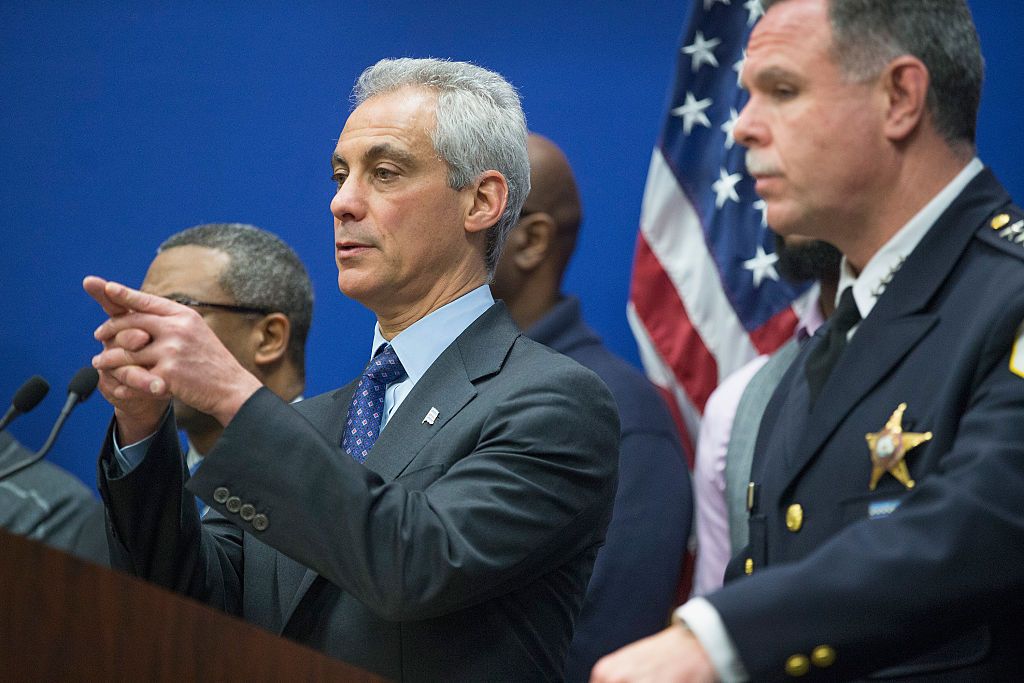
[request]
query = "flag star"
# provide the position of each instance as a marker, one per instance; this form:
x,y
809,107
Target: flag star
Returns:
x,y
762,266
738,68
708,4
692,111
702,51
725,187
728,127
755,9
762,206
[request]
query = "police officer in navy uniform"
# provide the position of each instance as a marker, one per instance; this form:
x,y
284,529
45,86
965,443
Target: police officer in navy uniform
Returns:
x,y
886,525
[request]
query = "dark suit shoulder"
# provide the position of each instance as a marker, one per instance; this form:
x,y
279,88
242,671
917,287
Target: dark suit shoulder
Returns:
x,y
532,359
641,408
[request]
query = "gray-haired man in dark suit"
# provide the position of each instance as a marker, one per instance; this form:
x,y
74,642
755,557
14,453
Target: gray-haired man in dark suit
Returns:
x,y
437,518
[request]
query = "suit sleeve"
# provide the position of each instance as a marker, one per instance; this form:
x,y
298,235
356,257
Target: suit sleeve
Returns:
x,y
154,529
522,494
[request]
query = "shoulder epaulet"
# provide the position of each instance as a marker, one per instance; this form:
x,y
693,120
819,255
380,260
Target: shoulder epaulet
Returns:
x,y
1004,230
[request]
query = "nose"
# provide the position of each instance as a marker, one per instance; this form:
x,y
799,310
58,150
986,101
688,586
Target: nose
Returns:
x,y
750,130
349,203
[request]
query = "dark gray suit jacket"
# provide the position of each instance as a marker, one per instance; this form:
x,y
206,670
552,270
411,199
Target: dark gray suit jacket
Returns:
x,y
460,551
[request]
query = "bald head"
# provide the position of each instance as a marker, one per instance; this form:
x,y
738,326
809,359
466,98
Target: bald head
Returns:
x,y
553,191
529,273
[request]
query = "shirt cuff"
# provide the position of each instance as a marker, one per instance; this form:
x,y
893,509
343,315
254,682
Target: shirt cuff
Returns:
x,y
129,457
700,616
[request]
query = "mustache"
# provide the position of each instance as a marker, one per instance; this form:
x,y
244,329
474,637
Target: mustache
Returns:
x,y
758,166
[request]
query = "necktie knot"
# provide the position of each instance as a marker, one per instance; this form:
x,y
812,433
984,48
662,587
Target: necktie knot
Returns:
x,y
366,412
826,354
846,314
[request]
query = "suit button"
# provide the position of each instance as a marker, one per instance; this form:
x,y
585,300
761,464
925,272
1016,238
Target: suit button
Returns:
x,y
748,566
233,504
797,665
247,512
823,656
220,494
794,517
260,522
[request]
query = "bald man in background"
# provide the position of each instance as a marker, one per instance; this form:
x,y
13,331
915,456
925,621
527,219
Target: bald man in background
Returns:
x,y
634,583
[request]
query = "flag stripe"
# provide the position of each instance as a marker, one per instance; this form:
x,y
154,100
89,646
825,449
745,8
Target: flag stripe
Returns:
x,y
674,233
662,376
673,339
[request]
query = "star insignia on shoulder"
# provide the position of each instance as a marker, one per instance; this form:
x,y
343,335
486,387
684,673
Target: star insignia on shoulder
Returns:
x,y
889,446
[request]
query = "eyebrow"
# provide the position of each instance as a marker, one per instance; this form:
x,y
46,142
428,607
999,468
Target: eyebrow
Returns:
x,y
772,74
379,151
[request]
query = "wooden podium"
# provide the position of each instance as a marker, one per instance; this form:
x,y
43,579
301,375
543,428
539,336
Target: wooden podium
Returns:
x,y
63,619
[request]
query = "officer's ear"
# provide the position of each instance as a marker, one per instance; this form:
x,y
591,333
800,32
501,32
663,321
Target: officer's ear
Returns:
x,y
905,82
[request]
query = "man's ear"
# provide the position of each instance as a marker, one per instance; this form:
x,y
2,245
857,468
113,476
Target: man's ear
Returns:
x,y
489,200
271,335
534,238
906,82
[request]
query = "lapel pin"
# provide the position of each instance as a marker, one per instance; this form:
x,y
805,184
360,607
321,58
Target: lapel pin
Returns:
x,y
430,416
888,448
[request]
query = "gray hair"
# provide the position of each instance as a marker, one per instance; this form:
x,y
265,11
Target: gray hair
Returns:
x,y
480,127
263,272
868,34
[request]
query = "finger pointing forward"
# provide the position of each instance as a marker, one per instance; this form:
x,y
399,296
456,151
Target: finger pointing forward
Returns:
x,y
134,300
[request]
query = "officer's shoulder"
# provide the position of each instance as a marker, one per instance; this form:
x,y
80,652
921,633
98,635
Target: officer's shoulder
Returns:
x,y
1004,230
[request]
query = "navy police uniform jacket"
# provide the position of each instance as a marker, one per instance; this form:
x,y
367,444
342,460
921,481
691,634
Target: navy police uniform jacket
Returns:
x,y
923,582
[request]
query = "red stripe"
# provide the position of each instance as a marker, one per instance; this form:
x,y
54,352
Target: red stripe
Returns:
x,y
674,337
776,332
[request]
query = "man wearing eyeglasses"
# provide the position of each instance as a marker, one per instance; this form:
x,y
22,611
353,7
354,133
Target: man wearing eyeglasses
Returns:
x,y
253,292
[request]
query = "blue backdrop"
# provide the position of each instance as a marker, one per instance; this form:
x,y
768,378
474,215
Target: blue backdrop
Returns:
x,y
123,122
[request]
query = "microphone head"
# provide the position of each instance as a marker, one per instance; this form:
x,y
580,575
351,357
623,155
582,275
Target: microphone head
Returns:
x,y
84,382
30,394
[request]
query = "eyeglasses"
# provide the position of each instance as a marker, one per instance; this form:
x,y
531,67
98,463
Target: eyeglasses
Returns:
x,y
231,308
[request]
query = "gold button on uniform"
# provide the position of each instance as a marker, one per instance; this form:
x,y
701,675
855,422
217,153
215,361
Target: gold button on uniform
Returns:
x,y
794,517
748,566
823,656
233,504
798,665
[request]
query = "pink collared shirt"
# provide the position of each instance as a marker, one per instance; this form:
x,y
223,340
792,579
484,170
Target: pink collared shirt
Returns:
x,y
713,547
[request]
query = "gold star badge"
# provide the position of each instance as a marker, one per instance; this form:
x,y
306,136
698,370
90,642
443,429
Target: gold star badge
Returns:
x,y
888,448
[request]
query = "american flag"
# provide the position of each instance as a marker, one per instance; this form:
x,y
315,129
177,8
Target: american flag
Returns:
x,y
705,297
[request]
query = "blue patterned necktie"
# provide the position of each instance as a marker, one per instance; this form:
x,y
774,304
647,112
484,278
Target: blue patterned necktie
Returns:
x,y
366,411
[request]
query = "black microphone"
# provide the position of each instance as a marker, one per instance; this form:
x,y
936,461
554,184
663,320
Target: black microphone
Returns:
x,y
25,399
79,388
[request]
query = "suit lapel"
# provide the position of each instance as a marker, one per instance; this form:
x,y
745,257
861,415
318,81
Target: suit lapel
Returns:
x,y
899,320
448,385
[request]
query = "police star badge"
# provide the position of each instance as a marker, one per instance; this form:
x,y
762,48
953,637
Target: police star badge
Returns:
x,y
889,446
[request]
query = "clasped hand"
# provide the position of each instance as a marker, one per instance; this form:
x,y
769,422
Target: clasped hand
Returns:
x,y
155,349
